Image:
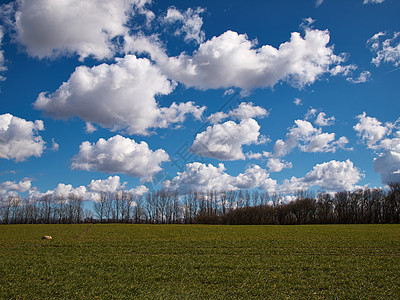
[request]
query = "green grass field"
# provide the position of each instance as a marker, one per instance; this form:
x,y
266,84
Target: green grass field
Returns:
x,y
197,261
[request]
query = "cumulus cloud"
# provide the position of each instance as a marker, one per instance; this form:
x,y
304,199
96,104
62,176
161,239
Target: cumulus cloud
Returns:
x,y
232,60
370,130
384,138
387,51
190,23
19,138
252,155
322,120
110,185
332,176
276,165
198,176
243,111
140,190
309,139
9,187
64,190
92,191
52,28
225,141
388,165
119,155
118,96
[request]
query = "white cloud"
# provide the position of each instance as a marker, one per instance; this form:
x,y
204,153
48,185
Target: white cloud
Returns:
x,y
388,165
232,60
225,141
111,184
17,187
90,128
2,59
64,190
370,130
229,92
297,101
343,70
243,111
119,155
254,177
199,176
190,21
373,1
323,121
385,138
252,155
311,112
277,165
332,176
19,138
309,139
52,28
119,96
387,51
139,190
363,77
55,146
318,3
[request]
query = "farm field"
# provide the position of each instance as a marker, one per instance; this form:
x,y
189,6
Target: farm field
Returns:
x,y
125,261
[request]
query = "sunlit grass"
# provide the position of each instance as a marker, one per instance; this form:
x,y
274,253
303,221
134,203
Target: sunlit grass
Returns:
x,y
197,261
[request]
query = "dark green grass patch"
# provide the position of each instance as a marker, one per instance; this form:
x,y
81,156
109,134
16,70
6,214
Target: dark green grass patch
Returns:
x,y
117,261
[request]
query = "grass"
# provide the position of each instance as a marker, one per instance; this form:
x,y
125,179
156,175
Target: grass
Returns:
x,y
117,261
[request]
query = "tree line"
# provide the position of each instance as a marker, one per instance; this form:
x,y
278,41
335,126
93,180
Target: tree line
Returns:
x,y
211,207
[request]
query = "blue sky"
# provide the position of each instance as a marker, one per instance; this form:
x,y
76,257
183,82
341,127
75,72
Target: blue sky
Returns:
x,y
274,95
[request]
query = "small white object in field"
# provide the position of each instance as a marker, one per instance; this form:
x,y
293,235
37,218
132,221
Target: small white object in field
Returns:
x,y
47,237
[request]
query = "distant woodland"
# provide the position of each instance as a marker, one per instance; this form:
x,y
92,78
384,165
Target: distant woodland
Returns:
x,y
197,207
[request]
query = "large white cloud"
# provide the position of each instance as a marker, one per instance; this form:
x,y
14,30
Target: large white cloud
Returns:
x,y
19,138
388,165
118,96
111,184
370,130
119,155
387,50
15,187
232,60
332,176
50,28
384,138
243,111
190,22
199,176
225,141
309,139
